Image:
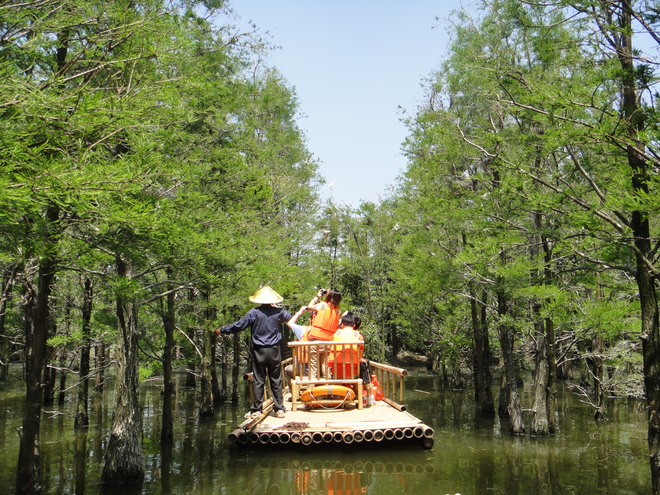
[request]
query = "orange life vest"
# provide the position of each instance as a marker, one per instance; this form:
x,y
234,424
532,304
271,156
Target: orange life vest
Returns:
x,y
344,361
325,323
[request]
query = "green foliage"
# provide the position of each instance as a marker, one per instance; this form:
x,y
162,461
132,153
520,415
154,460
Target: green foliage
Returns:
x,y
153,132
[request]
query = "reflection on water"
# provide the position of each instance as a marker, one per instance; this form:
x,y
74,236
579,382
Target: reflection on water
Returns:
x,y
472,454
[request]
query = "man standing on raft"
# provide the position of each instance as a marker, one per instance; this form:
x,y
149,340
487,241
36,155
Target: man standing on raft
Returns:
x,y
266,323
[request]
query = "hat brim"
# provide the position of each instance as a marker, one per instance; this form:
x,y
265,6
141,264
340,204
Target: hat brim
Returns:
x,y
266,299
266,295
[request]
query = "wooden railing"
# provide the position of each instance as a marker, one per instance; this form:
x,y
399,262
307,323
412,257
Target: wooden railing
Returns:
x,y
337,363
390,378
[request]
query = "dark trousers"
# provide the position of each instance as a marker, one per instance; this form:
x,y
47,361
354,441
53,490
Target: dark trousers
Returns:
x,y
267,360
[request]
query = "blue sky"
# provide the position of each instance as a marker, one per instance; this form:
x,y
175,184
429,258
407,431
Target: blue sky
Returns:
x,y
355,66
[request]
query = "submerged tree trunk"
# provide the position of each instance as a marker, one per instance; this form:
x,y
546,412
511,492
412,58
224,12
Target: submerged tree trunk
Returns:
x,y
540,424
28,472
82,407
8,279
645,274
216,390
99,360
552,377
223,370
235,368
50,373
506,336
483,378
206,400
211,316
597,369
169,324
123,457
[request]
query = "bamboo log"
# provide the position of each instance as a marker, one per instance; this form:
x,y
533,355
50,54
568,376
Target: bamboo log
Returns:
x,y
379,435
264,438
348,437
250,423
375,424
389,433
387,367
395,405
306,439
398,434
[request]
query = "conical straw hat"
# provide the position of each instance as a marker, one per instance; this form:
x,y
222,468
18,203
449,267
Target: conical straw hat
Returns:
x,y
266,295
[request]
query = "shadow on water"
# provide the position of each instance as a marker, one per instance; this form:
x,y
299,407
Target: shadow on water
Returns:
x,y
473,454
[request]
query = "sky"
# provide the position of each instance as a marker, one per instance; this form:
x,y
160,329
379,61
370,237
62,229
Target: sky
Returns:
x,y
355,66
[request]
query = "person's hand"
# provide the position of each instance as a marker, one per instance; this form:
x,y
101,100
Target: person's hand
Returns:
x,y
217,332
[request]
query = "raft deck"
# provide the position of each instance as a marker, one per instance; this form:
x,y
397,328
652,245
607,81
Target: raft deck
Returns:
x,y
385,421
379,423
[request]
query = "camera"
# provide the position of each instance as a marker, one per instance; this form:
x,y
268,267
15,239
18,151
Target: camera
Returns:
x,y
323,292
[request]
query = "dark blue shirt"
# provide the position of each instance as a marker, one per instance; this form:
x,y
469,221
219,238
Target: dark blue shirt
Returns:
x,y
266,322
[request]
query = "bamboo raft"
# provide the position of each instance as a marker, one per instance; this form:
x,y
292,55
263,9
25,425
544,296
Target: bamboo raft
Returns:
x,y
385,422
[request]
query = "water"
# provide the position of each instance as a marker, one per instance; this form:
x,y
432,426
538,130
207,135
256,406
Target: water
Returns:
x,y
472,455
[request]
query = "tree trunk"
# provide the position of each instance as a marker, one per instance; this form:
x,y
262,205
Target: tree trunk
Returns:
x,y
62,359
552,377
217,391
223,369
540,426
27,473
50,373
8,279
482,376
99,360
206,401
82,407
191,380
506,337
639,224
123,459
235,369
211,316
169,324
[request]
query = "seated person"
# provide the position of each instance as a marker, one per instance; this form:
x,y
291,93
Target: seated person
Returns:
x,y
345,360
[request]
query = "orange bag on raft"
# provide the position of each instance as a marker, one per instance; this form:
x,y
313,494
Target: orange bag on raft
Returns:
x,y
378,393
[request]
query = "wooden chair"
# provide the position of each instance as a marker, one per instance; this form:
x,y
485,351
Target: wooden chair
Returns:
x,y
331,356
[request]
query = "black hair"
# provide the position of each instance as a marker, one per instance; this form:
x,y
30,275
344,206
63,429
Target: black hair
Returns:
x,y
350,319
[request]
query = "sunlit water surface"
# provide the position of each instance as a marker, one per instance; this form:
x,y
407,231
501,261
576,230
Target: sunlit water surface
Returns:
x,y
472,454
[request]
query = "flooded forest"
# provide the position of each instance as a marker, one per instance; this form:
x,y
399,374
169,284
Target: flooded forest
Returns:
x,y
155,174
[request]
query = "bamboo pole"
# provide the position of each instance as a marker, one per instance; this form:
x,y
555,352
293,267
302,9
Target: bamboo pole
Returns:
x,y
399,407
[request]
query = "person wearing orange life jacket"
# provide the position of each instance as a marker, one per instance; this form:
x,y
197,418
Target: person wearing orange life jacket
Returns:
x,y
325,322
345,360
